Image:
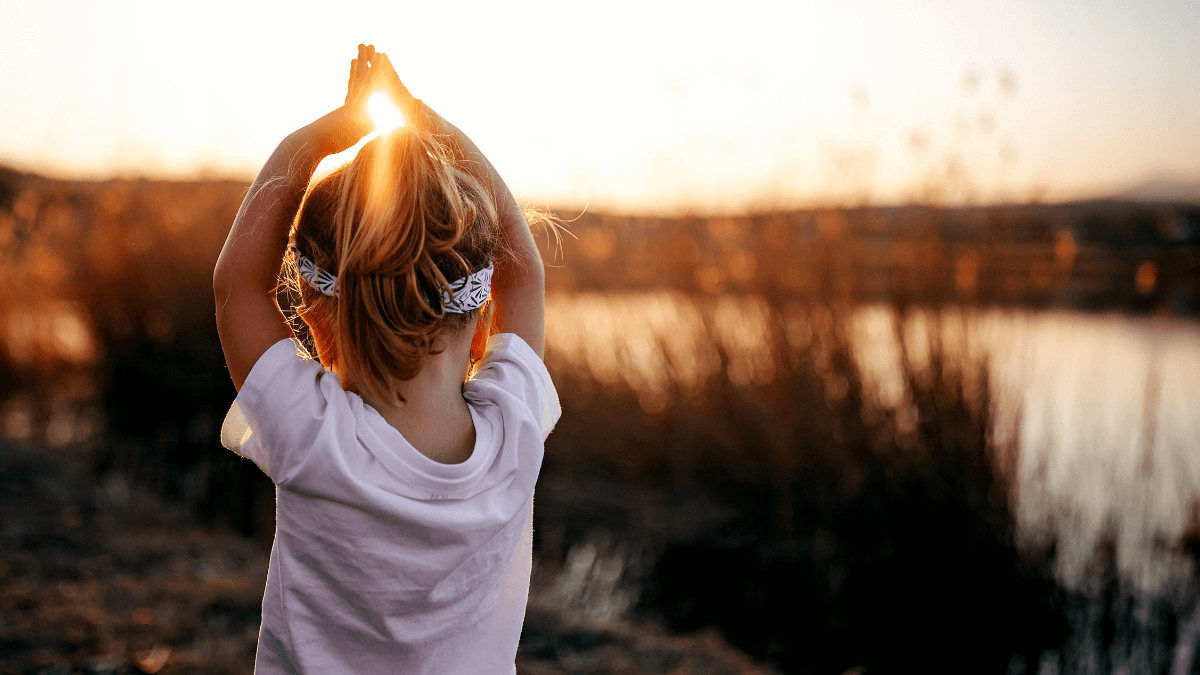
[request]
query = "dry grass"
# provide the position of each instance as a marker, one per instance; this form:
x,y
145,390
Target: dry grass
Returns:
x,y
882,534
101,577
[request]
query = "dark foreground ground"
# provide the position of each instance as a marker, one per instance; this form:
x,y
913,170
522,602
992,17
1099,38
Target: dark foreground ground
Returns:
x,y
103,577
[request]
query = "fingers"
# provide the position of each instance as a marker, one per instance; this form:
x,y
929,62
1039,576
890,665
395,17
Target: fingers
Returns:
x,y
366,55
353,78
383,69
387,70
357,67
363,65
384,77
385,74
360,74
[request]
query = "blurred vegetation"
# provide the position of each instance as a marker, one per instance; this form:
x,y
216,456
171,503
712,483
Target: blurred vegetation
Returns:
x,y
839,532
1095,255
815,525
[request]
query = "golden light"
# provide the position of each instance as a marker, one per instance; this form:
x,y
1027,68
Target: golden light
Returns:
x,y
384,114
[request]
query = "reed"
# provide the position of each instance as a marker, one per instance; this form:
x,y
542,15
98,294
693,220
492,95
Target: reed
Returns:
x,y
856,530
774,493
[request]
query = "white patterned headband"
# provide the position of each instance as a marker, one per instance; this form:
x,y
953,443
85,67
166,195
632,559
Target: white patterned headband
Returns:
x,y
466,294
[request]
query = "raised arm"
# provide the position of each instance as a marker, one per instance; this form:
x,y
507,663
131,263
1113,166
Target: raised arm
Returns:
x,y
245,278
518,285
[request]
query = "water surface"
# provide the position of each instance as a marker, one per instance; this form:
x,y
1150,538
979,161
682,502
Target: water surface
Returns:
x,y
1102,410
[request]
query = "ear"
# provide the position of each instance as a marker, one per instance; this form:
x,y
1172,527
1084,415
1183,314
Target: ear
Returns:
x,y
322,337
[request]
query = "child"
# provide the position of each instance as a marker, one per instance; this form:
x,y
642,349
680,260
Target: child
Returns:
x,y
403,537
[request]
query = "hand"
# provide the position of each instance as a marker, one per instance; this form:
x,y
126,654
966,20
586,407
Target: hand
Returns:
x,y
360,76
385,79
345,126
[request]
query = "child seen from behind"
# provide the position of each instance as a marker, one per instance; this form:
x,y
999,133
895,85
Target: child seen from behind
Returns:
x,y
406,454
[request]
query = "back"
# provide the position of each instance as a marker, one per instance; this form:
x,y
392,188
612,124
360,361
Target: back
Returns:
x,y
385,560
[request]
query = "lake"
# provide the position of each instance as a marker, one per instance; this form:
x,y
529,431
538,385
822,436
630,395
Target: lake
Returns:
x,y
1103,410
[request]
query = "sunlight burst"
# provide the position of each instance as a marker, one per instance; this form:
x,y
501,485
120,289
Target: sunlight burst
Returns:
x,y
384,113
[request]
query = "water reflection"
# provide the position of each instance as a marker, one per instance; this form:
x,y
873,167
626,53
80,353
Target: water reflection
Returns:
x,y
1104,410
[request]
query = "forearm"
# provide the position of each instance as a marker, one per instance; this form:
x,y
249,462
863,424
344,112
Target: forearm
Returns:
x,y
245,278
249,261
519,283
512,217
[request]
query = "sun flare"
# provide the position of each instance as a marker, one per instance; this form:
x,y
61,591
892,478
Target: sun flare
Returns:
x,y
384,113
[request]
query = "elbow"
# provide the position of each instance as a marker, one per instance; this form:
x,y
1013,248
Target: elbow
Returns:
x,y
529,276
224,282
220,283
538,276
533,270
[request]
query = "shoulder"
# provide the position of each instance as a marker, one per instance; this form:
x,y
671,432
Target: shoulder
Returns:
x,y
284,378
513,377
286,397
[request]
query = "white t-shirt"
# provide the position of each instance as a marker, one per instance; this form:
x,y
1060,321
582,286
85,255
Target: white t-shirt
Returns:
x,y
384,560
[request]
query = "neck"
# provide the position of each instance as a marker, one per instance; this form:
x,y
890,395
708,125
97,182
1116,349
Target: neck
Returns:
x,y
434,417
438,384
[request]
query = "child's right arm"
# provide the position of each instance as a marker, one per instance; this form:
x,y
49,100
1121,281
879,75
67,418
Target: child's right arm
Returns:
x,y
246,274
519,285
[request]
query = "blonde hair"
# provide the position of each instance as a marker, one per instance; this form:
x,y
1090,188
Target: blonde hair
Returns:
x,y
397,224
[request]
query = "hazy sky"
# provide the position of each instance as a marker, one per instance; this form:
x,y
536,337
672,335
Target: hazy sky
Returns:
x,y
636,105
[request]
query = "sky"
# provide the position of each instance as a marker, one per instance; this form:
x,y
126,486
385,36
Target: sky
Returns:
x,y
641,106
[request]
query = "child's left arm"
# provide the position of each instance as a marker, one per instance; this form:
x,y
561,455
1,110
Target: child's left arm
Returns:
x,y
245,278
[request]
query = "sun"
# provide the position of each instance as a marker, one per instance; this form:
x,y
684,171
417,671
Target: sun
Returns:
x,y
384,113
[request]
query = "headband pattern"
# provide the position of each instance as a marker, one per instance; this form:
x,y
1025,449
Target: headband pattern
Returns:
x,y
315,276
469,292
466,294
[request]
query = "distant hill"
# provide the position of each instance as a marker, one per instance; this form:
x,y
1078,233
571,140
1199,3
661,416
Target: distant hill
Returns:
x,y
1163,189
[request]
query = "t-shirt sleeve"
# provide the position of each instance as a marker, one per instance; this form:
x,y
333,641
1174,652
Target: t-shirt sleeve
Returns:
x,y
281,403
512,366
